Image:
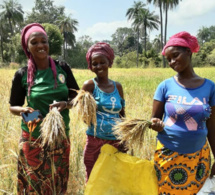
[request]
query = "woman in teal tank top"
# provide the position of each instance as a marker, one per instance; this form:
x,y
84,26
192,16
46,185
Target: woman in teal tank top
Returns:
x,y
110,102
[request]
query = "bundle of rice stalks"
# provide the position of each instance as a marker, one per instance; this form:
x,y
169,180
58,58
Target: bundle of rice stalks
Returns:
x,y
53,129
131,131
86,108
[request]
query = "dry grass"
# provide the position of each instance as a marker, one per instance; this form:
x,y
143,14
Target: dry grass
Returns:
x,y
53,129
86,108
131,132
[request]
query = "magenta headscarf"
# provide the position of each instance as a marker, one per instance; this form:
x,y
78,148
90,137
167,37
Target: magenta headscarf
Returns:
x,y
100,48
26,32
183,39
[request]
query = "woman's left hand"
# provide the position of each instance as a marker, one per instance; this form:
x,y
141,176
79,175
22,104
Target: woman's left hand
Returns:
x,y
60,105
212,170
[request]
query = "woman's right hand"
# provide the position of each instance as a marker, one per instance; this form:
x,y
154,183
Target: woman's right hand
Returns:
x,y
17,110
26,110
157,124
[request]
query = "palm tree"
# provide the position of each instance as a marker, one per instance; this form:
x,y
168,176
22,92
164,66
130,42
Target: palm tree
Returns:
x,y
159,3
1,35
157,43
167,5
147,20
164,5
12,11
67,27
133,13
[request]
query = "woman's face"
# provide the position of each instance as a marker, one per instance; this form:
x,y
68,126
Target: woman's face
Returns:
x,y
179,58
100,64
38,45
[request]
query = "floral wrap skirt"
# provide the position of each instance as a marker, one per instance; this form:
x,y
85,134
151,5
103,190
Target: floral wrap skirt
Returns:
x,y
42,170
181,174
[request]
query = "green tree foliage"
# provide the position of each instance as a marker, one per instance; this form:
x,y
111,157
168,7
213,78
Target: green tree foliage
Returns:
x,y
205,55
206,34
123,40
133,14
11,18
128,60
211,58
146,21
67,27
45,11
20,56
77,55
55,38
13,13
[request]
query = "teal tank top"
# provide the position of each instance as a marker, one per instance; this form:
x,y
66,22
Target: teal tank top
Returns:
x,y
108,107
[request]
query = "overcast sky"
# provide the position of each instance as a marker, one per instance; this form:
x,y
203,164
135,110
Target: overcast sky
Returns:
x,y
100,18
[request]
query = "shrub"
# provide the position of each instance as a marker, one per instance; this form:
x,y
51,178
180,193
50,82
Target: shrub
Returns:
x,y
14,65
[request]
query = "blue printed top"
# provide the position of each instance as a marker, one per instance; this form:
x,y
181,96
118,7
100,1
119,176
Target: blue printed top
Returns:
x,y
185,113
108,107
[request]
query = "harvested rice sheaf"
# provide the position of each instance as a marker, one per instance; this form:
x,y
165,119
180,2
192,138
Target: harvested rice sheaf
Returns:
x,y
53,129
131,131
86,108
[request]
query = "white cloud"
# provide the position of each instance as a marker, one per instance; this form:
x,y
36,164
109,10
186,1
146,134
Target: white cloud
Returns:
x,y
193,8
189,10
101,31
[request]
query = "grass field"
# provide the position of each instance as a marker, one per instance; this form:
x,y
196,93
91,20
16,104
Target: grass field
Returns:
x,y
139,86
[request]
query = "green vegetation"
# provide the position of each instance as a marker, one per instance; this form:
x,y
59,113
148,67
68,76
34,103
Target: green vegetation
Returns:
x,y
132,46
139,86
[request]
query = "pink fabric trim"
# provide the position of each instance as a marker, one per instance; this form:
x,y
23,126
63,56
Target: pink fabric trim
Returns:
x,y
32,30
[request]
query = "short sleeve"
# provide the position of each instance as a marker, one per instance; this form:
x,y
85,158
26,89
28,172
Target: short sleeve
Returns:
x,y
212,98
160,92
18,92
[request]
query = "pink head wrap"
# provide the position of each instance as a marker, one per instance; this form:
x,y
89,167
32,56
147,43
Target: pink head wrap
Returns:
x,y
100,48
183,39
26,32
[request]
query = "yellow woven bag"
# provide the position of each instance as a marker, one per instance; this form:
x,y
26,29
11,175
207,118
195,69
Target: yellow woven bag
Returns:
x,y
116,173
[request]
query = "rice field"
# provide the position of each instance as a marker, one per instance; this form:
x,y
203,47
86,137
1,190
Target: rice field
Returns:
x,y
139,86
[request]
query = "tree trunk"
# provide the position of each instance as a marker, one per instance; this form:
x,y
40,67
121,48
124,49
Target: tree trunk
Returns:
x,y
161,21
166,18
64,47
138,35
145,34
2,49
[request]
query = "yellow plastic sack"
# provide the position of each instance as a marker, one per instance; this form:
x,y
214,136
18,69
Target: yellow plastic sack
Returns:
x,y
116,173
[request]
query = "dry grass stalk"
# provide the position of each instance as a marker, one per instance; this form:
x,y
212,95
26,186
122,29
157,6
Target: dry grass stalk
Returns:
x,y
131,131
53,129
86,108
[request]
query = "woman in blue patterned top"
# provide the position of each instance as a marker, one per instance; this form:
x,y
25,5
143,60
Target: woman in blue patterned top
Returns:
x,y
108,95
186,104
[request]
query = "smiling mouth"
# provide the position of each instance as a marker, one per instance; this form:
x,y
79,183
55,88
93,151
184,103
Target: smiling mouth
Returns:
x,y
41,51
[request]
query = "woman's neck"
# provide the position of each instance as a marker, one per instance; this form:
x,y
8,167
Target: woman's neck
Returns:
x,y
102,80
42,64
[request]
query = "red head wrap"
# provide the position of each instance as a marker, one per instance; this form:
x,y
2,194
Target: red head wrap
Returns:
x,y
100,48
183,39
26,32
